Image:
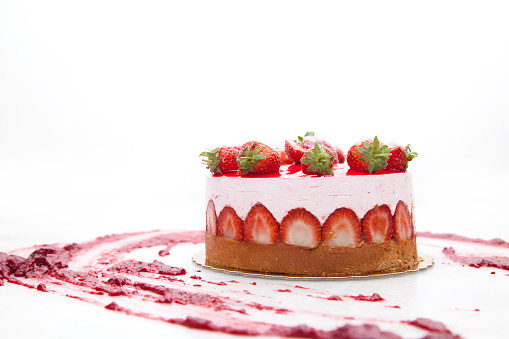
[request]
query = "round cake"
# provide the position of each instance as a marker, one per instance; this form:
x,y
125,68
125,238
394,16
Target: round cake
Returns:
x,y
347,223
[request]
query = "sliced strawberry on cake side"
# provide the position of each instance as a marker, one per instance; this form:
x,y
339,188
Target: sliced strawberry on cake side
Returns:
x,y
260,226
301,228
258,158
378,224
403,225
229,224
211,218
342,229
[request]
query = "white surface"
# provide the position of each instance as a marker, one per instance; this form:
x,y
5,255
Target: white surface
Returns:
x,y
97,97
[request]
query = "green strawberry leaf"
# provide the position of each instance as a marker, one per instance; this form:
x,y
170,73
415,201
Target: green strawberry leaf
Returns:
x,y
249,157
375,155
211,160
301,139
318,160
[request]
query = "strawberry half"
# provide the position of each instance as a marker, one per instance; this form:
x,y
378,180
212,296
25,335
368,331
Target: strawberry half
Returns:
x,y
258,158
221,159
341,155
260,226
294,150
403,225
368,156
318,161
229,224
342,229
285,159
378,224
211,218
301,228
399,157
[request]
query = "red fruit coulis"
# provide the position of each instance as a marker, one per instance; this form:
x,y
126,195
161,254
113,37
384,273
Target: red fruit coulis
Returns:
x,y
476,261
375,297
472,260
294,171
101,272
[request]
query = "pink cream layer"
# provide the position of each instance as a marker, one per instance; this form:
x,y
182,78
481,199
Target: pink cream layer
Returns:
x,y
320,195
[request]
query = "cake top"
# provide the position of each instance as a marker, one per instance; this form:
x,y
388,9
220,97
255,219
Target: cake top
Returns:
x,y
295,171
307,155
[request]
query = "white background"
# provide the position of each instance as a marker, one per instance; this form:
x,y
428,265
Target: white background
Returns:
x,y
106,105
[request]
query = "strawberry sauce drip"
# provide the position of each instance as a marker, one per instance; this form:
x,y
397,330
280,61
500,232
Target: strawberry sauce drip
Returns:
x,y
102,268
249,175
293,171
381,172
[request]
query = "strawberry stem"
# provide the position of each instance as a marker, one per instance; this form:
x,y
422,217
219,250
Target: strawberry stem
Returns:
x,y
249,157
375,154
409,155
311,134
319,161
212,159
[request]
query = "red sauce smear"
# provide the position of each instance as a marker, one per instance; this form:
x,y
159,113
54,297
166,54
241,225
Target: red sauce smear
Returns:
x,y
430,325
101,268
500,262
455,237
477,262
375,297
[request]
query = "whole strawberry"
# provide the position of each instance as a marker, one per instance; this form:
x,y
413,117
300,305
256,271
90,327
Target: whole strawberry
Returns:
x,y
258,158
295,149
221,159
318,161
399,157
309,141
368,156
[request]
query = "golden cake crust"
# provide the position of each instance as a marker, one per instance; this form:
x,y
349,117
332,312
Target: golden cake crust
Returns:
x,y
322,261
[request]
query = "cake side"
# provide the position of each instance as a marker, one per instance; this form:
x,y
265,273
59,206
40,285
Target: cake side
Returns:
x,y
322,261
363,224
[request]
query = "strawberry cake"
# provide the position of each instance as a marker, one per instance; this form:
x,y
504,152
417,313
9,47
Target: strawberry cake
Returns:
x,y
285,219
